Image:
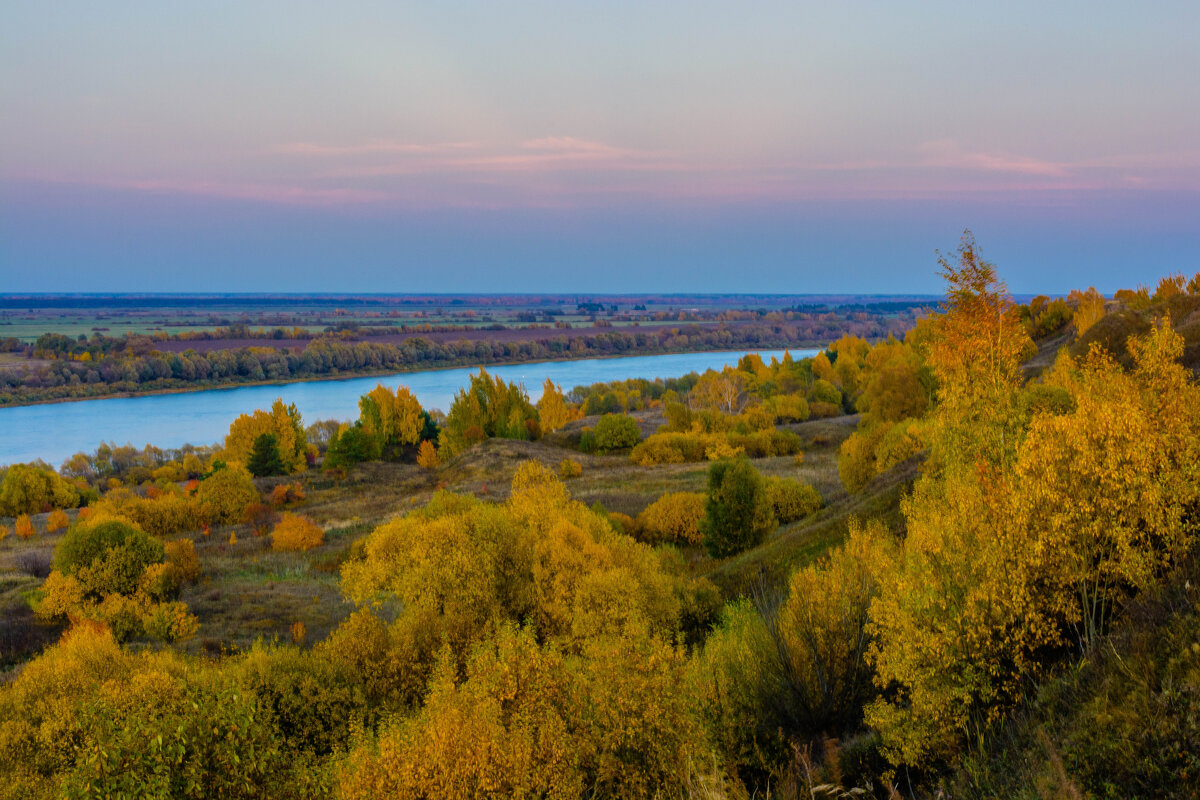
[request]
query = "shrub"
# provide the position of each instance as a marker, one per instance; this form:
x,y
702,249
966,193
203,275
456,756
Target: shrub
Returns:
x,y
616,432
33,562
107,556
29,489
623,522
825,392
24,527
673,518
57,521
792,500
427,455
570,468
182,558
286,494
259,517
820,410
225,494
737,513
295,532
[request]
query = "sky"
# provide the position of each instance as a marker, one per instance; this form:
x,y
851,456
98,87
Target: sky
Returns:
x,y
559,146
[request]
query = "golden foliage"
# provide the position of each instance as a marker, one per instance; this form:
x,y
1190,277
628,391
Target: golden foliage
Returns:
x,y
427,456
225,494
24,527
295,532
673,518
182,558
394,419
57,521
552,408
283,422
569,468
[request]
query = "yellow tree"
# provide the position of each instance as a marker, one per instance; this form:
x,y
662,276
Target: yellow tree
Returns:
x,y
394,418
552,408
960,622
282,421
1104,492
977,350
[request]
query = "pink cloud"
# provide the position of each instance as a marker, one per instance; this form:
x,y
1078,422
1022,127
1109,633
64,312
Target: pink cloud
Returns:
x,y
946,153
259,192
373,146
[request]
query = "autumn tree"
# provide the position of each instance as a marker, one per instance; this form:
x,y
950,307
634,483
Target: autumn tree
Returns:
x,y
552,408
488,407
32,489
718,391
959,624
427,456
283,422
225,494
23,528
57,521
395,420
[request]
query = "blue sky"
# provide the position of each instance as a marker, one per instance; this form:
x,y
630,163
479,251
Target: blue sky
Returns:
x,y
561,146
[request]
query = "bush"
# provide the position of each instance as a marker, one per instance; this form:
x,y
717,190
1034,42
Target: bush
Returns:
x,y
57,521
570,468
108,556
673,518
616,432
225,494
29,489
295,532
792,500
819,410
182,558
24,527
737,513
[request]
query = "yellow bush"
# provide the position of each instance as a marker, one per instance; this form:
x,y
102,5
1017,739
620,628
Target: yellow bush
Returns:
x,y
57,521
181,556
427,455
791,500
295,532
570,468
673,518
24,527
225,494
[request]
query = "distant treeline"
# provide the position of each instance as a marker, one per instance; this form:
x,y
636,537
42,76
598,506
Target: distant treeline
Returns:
x,y
330,356
202,301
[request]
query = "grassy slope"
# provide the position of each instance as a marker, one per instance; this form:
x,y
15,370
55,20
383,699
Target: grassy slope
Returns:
x,y
247,591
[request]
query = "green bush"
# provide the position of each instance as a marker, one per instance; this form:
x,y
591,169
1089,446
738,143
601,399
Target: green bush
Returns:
x,y
737,512
616,432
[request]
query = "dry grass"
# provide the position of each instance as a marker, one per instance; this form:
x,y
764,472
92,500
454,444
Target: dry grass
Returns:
x,y
248,591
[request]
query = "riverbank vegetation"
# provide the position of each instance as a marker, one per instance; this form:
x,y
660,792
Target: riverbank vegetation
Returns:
x,y
57,366
968,570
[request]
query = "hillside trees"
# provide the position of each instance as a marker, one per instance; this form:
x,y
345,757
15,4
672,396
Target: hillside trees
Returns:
x,y
32,489
489,407
283,422
552,408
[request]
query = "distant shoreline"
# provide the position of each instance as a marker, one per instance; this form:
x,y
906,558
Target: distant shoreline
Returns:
x,y
384,373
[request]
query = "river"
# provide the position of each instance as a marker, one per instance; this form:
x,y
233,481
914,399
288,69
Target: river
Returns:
x,y
54,432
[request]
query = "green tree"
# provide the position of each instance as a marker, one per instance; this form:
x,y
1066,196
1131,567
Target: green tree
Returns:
x,y
264,456
737,512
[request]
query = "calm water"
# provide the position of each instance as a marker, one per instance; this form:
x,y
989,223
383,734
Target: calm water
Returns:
x,y
56,431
